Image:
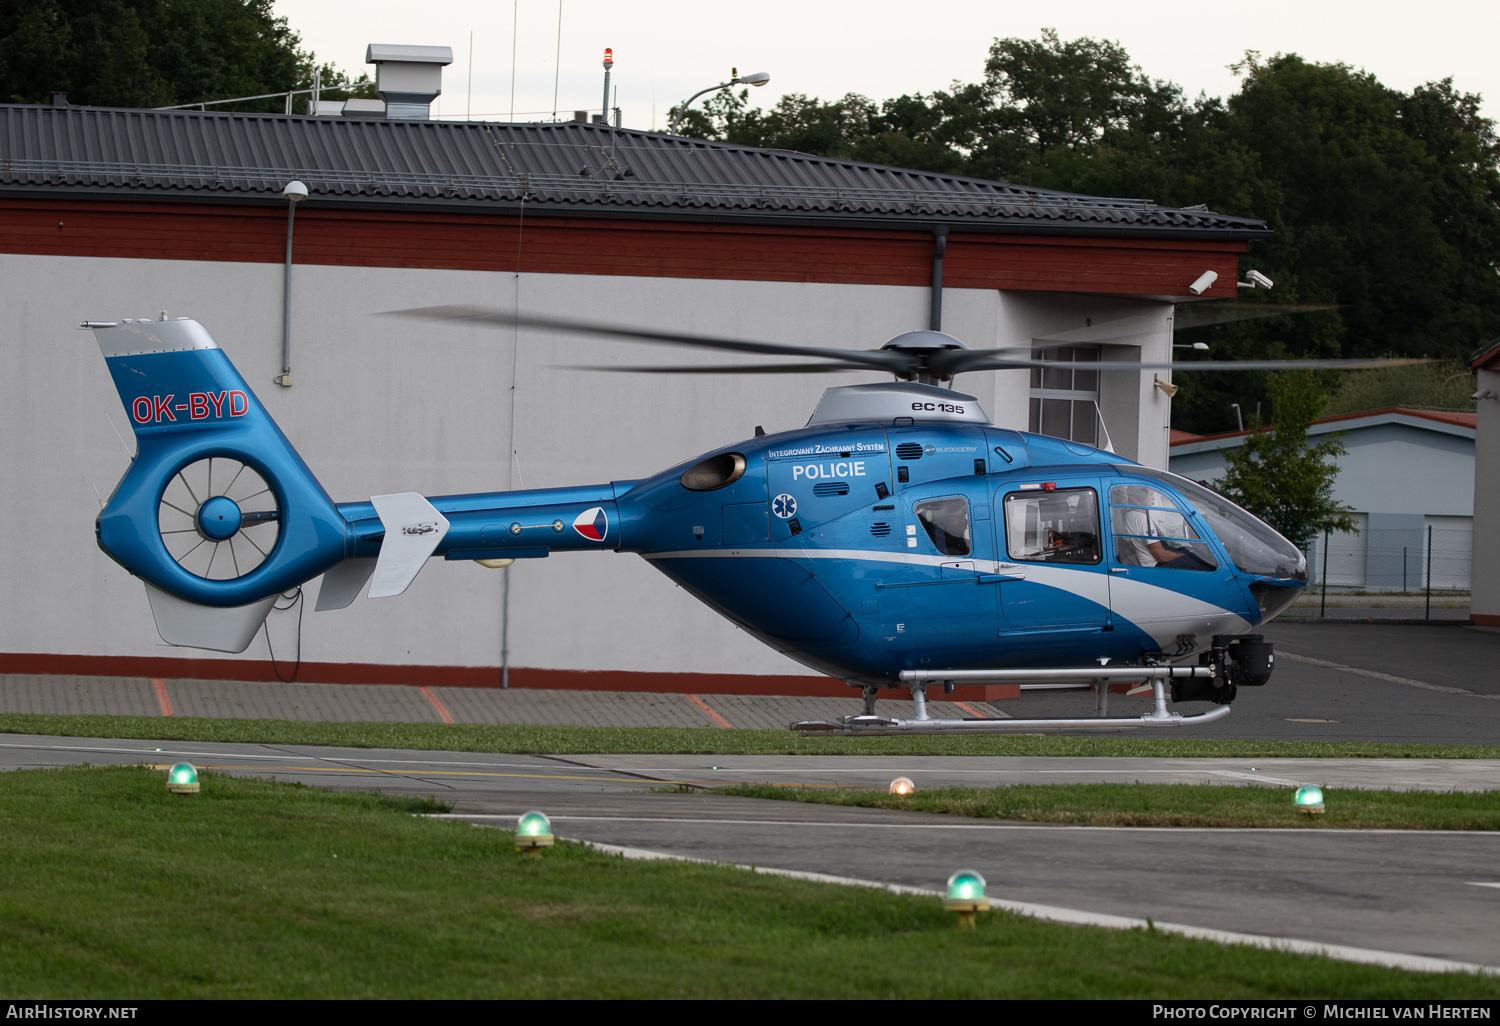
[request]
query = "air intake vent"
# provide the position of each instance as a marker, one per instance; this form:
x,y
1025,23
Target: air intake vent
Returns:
x,y
909,451
828,488
880,530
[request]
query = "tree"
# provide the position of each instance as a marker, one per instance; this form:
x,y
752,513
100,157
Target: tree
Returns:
x,y
154,53
1278,476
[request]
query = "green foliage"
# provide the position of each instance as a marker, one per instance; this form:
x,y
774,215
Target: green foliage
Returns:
x,y
1384,203
155,53
1445,385
1277,475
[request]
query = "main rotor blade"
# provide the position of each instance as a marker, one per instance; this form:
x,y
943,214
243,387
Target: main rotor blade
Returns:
x,y
748,368
1201,365
895,363
1119,329
1225,311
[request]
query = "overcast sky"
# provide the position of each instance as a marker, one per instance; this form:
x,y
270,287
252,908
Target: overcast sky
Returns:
x,y
666,50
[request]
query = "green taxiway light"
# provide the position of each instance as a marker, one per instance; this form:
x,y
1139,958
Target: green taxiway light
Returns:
x,y
966,897
182,779
533,832
1309,799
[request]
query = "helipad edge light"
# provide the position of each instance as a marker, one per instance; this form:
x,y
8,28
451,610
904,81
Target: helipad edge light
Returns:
x,y
182,779
902,785
966,897
533,832
1309,799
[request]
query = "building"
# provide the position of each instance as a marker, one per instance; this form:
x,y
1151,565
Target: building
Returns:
x,y
1409,476
111,213
1484,606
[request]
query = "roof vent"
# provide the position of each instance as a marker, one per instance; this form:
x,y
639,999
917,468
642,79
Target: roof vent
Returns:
x,y
408,78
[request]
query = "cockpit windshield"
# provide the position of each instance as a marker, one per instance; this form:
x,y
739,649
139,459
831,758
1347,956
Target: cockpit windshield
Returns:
x,y
1253,545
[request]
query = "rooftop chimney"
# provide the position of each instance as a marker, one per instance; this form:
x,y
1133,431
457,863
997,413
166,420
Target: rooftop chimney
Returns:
x,y
408,78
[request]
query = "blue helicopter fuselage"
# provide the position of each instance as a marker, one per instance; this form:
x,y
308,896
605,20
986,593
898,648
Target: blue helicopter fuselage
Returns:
x,y
820,542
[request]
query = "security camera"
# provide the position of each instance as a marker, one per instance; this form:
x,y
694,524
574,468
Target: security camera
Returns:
x,y
1256,278
1488,393
1204,282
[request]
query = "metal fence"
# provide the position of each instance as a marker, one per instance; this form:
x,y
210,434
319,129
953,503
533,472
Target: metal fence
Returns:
x,y
1418,571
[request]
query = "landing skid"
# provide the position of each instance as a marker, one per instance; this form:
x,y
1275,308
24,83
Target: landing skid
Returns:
x,y
869,724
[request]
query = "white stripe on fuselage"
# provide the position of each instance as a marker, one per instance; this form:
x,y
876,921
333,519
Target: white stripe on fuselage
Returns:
x,y
1162,613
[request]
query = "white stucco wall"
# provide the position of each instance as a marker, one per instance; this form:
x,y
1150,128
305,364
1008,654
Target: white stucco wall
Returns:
x,y
1391,468
386,404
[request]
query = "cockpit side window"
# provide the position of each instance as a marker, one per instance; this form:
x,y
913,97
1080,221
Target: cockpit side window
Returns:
x,y
1252,545
1061,526
946,522
1149,531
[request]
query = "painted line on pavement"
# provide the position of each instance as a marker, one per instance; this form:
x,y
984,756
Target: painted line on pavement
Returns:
x,y
1444,688
1079,917
433,700
1480,883
162,701
1165,832
413,773
701,704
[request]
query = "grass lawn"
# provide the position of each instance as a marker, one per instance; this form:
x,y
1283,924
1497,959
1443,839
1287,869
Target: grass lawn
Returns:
x,y
114,889
1171,805
460,737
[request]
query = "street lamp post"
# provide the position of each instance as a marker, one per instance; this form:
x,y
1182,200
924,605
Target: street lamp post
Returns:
x,y
758,78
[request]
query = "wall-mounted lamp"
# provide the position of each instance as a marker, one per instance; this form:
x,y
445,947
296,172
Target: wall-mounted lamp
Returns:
x,y
294,193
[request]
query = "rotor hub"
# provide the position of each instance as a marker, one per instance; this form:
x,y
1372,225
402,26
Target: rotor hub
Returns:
x,y
219,518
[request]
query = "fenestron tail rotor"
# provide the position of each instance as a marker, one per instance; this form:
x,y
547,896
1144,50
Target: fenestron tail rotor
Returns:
x,y
218,518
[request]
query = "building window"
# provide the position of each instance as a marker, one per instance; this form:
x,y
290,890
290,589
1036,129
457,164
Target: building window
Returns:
x,y
1064,401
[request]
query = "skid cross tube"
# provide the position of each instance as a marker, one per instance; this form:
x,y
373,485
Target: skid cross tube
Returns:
x,y
922,723
882,725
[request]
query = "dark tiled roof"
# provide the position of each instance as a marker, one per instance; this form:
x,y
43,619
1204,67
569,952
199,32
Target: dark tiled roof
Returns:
x,y
567,167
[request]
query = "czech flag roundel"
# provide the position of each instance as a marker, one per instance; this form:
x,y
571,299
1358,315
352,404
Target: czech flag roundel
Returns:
x,y
592,524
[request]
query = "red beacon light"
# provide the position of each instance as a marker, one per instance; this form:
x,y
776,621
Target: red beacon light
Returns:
x,y
609,56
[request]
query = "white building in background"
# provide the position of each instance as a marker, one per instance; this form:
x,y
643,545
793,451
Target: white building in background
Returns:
x,y
106,214
1409,477
1484,607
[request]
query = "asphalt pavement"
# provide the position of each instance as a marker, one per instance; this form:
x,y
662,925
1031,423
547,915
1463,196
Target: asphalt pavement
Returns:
x,y
1431,684
1398,897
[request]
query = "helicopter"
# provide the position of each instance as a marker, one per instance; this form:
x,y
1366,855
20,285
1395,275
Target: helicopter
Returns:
x,y
898,540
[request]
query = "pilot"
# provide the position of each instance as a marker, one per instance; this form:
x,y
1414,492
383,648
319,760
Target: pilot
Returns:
x,y
1146,548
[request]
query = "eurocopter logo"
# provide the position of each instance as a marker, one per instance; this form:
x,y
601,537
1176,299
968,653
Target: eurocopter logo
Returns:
x,y
828,450
593,524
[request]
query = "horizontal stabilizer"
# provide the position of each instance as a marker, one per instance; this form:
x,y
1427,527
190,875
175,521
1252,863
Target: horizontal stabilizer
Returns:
x,y
413,529
220,630
342,583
